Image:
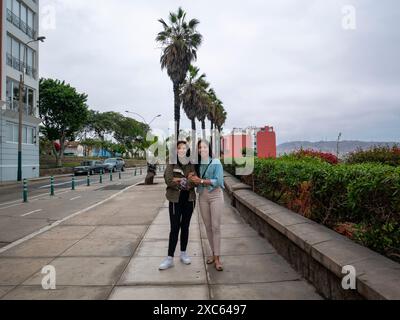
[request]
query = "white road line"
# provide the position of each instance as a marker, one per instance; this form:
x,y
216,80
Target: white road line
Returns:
x,y
34,199
76,198
61,184
32,212
57,223
18,201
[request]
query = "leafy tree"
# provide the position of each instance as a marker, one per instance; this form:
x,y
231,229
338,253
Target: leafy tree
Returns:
x,y
63,111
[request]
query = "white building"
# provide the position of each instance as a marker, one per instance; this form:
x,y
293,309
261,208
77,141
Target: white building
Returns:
x,y
19,24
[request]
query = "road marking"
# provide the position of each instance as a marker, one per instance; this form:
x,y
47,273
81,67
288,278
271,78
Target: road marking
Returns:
x,y
61,184
12,202
75,198
57,223
32,212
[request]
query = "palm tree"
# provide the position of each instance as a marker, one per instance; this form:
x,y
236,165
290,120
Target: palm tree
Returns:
x,y
191,94
179,41
204,106
217,116
193,98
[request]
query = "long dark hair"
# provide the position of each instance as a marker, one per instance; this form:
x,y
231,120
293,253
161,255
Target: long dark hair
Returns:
x,y
199,156
187,153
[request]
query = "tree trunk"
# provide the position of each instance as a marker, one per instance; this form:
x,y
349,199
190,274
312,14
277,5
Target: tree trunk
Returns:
x,y
177,110
61,152
193,154
203,128
55,153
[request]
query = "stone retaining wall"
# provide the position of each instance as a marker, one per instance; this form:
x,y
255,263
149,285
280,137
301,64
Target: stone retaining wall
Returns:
x,y
316,252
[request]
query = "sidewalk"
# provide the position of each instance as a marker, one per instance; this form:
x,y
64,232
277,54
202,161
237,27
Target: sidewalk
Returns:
x,y
113,252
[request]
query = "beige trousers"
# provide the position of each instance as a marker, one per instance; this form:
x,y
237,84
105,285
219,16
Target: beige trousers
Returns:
x,y
211,207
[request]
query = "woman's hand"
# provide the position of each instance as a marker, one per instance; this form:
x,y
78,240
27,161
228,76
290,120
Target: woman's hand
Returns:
x,y
196,180
177,180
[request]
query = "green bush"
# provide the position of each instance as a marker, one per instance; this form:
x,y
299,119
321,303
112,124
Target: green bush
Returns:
x,y
383,155
366,196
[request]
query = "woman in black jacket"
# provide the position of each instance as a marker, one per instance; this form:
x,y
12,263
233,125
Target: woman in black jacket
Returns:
x,y
182,201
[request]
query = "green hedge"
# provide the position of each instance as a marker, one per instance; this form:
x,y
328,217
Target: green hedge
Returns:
x,y
364,196
383,155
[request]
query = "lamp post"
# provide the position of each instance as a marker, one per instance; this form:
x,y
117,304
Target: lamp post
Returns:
x,y
148,124
21,105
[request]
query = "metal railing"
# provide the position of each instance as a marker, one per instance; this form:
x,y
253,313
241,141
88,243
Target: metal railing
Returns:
x,y
17,64
14,106
16,21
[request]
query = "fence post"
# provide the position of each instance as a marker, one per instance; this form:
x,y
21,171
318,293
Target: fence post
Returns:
x,y
101,176
73,183
51,186
25,192
111,175
88,180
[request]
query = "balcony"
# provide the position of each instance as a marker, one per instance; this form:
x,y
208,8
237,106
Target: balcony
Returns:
x,y
19,65
16,21
29,111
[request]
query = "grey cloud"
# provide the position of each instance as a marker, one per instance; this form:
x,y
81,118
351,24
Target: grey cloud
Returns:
x,y
283,63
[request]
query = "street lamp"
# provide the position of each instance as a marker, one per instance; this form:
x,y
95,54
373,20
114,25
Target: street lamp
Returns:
x,y
148,124
21,104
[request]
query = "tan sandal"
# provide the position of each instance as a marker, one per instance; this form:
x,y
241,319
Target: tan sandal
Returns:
x,y
210,260
219,266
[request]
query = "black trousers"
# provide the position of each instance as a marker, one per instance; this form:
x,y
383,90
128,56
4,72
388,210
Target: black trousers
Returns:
x,y
180,216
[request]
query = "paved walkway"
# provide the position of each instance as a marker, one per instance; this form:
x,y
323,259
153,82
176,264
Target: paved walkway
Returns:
x,y
113,252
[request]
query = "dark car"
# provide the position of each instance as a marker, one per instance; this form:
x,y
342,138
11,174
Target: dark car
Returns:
x,y
90,167
115,164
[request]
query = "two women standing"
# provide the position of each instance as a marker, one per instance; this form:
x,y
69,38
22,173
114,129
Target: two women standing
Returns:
x,y
181,180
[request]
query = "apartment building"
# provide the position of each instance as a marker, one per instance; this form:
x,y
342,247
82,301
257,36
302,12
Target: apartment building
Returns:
x,y
19,25
260,140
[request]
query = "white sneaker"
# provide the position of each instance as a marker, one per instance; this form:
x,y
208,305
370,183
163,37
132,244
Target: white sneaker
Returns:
x,y
185,258
167,263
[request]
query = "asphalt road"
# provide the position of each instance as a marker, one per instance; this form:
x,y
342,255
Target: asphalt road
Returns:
x,y
13,192
18,219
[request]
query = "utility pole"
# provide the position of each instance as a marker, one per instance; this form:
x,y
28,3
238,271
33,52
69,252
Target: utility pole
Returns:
x,y
337,147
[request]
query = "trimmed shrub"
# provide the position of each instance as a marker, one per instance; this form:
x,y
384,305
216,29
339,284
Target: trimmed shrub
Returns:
x,y
362,200
324,156
383,155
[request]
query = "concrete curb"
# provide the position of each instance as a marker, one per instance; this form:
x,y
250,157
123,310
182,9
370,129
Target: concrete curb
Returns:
x,y
315,251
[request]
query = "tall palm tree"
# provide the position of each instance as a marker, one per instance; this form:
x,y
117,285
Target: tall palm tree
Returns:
x,y
180,42
194,97
192,94
204,106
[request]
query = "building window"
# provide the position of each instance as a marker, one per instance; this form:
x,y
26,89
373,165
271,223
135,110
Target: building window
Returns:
x,y
28,134
12,92
15,57
21,16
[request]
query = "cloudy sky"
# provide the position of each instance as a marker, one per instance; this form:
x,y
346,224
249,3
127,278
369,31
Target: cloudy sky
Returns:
x,y
291,64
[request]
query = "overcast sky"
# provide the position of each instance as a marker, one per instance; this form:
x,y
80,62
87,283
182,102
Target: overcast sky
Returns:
x,y
288,63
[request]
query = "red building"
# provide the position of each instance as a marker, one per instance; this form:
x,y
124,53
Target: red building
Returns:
x,y
266,143
261,140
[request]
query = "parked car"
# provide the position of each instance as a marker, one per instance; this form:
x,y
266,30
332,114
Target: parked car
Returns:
x,y
90,167
115,164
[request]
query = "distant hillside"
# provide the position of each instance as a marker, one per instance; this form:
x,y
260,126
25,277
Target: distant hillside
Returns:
x,y
330,146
